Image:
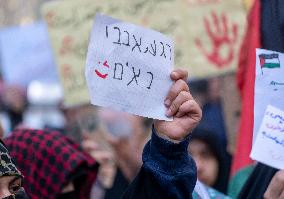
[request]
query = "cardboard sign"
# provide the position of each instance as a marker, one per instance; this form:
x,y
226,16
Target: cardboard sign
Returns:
x,y
128,67
26,55
269,145
207,34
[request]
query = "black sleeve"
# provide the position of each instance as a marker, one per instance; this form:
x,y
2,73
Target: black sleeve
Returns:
x,y
257,182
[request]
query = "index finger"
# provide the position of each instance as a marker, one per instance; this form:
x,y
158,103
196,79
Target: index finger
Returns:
x,y
179,74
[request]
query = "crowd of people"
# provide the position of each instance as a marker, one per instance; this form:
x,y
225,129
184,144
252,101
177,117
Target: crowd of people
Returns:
x,y
103,154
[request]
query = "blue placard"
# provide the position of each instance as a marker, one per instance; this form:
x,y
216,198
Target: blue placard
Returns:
x,y
26,54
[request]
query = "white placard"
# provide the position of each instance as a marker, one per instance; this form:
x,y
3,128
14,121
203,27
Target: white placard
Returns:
x,y
128,67
269,144
269,84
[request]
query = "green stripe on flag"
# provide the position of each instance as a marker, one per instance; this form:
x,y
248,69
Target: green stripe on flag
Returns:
x,y
271,65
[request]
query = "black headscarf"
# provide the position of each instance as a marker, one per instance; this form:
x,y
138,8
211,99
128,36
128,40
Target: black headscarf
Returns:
x,y
219,151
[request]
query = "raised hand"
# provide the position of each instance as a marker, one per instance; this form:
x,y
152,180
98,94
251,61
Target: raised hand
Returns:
x,y
181,105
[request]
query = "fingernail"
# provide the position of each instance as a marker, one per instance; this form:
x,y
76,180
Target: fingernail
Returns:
x,y
167,102
168,112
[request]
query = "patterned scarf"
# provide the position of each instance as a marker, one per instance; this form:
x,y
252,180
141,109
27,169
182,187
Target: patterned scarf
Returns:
x,y
49,161
7,167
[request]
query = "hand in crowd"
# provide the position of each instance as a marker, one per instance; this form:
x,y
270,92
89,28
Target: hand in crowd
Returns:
x,y
128,150
275,189
103,155
181,105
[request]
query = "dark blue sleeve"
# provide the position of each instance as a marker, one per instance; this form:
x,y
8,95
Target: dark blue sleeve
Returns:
x,y
171,165
167,171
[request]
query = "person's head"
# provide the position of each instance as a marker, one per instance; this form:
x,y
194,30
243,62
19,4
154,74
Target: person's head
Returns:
x,y
10,177
212,161
206,161
79,120
53,165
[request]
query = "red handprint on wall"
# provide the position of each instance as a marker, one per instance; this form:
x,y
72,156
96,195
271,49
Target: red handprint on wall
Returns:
x,y
222,37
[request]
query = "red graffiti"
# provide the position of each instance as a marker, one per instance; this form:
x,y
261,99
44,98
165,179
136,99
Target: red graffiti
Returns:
x,y
195,2
49,17
220,39
66,71
103,76
66,45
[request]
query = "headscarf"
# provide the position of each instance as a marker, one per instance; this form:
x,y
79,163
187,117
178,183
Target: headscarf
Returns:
x,y
49,161
8,168
218,150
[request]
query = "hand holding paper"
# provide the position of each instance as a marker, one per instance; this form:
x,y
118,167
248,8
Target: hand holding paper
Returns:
x,y
182,107
128,68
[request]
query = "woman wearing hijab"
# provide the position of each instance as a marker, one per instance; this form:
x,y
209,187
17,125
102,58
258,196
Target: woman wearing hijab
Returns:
x,y
54,166
212,160
11,179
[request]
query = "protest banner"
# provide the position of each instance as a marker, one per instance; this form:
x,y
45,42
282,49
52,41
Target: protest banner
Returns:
x,y
26,55
128,67
207,34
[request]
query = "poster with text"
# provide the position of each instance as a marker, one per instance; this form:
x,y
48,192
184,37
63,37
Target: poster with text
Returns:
x,y
207,34
269,84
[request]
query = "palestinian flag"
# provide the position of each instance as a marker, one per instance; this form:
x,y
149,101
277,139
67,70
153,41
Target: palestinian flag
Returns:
x,y
269,60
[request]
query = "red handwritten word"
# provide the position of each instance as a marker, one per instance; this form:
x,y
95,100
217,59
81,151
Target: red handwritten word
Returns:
x,y
103,76
220,38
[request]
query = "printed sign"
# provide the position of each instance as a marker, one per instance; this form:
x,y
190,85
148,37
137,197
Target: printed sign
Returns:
x,y
26,55
269,84
128,67
269,145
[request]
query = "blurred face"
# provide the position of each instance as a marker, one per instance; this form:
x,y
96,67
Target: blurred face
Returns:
x,y
9,185
206,162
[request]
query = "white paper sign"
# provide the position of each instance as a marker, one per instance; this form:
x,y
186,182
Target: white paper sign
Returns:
x,y
269,84
26,54
269,144
128,67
